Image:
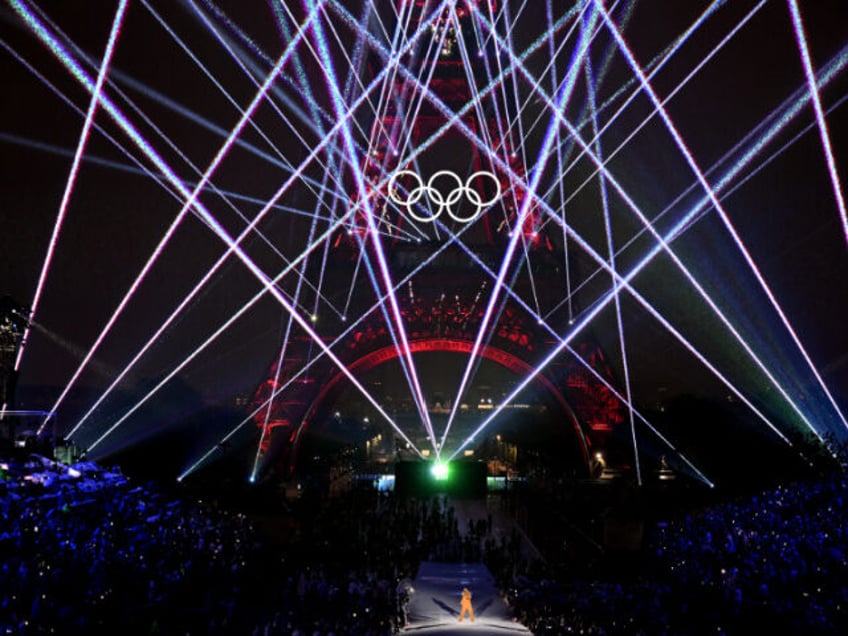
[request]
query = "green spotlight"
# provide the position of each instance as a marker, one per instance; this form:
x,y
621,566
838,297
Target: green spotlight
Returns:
x,y
440,471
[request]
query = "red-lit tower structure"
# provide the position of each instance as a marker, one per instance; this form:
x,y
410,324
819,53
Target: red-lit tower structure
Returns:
x,y
442,305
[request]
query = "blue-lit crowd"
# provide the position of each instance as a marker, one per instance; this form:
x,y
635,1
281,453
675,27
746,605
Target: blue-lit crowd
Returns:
x,y
85,550
775,562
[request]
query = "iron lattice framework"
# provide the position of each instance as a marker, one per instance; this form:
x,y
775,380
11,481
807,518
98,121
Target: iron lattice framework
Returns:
x,y
294,391
447,308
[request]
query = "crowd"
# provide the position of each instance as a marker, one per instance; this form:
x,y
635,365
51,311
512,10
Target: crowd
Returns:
x,y
85,550
366,545
775,562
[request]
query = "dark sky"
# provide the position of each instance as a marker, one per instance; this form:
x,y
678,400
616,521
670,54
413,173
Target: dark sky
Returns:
x,y
781,204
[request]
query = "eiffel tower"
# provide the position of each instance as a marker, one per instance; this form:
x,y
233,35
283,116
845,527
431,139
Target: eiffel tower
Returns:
x,y
412,138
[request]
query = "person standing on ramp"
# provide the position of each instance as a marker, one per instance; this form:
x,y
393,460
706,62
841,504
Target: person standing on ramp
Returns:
x,y
465,605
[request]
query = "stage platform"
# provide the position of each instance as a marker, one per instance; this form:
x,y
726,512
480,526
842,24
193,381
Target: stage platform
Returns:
x,y
434,604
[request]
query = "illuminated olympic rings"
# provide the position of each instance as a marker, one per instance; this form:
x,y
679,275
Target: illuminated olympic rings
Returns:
x,y
441,202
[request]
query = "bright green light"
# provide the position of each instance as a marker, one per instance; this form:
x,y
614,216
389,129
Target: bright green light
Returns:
x,y
440,471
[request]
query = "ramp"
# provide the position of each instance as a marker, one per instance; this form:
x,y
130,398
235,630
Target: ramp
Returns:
x,y
434,604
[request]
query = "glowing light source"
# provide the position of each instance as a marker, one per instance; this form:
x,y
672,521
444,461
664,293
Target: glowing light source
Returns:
x,y
440,471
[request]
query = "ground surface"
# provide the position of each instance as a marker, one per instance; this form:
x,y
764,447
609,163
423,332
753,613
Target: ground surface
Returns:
x,y
434,606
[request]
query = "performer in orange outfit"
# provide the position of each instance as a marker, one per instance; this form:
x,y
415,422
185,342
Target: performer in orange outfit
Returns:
x,y
465,605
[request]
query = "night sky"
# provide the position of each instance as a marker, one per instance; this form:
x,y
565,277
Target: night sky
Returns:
x,y
782,203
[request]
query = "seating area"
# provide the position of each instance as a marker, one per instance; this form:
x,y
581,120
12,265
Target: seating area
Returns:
x,y
775,562
84,549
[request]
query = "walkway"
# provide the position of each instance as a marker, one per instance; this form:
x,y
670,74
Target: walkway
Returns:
x,y
434,605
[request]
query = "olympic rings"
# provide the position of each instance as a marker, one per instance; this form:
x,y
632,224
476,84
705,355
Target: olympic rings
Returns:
x,y
443,203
